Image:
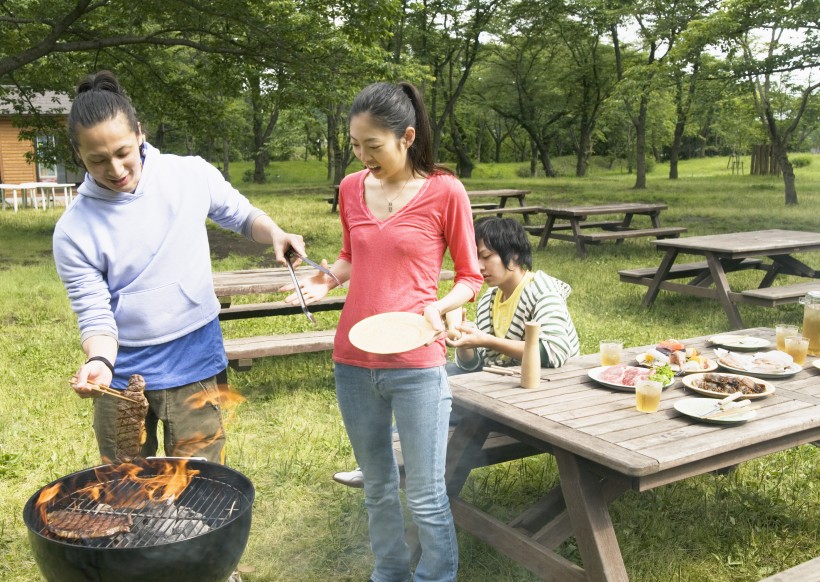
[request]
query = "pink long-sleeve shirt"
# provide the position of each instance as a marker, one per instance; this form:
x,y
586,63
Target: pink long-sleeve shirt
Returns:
x,y
395,263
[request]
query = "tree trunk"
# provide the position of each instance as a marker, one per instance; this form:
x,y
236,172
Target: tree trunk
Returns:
x,y
640,146
584,150
464,165
782,157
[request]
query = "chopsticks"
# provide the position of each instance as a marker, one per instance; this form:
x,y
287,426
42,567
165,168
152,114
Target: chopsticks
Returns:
x,y
501,371
103,389
731,412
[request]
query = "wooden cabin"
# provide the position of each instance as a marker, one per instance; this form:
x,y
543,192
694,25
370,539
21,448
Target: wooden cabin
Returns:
x,y
15,167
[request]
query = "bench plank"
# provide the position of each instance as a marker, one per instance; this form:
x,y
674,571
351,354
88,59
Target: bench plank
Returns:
x,y
242,351
780,295
271,308
805,572
526,210
663,232
681,271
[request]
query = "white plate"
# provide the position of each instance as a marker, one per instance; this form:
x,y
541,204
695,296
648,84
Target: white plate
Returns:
x,y
693,383
816,364
595,374
788,373
697,407
742,343
391,333
712,365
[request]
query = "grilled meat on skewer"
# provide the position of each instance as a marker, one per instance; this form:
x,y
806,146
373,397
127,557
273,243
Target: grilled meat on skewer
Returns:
x,y
131,420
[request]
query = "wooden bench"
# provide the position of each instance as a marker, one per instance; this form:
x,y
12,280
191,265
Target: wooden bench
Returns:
x,y
805,572
525,211
244,311
663,232
644,276
243,351
483,205
781,295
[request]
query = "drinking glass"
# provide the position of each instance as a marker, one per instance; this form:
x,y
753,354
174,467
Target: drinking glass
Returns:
x,y
611,352
648,395
783,331
797,347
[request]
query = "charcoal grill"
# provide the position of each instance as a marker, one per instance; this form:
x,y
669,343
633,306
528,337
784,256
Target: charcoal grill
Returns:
x,y
199,536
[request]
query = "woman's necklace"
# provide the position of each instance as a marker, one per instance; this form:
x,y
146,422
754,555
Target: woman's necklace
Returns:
x,y
384,193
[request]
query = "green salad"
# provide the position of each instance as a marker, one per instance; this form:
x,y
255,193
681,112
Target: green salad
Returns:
x,y
662,374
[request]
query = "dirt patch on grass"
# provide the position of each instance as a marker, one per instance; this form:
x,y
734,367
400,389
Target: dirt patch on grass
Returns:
x,y
224,243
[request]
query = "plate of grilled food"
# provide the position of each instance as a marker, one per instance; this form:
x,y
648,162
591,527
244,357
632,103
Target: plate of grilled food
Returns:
x,y
720,385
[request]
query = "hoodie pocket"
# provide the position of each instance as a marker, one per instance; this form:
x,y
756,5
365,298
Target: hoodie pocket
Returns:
x,y
155,313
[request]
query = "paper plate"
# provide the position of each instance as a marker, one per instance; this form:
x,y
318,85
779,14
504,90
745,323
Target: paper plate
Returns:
x,y
697,407
741,343
693,383
391,333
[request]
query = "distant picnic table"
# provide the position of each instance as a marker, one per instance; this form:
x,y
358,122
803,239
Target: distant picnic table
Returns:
x,y
728,252
574,219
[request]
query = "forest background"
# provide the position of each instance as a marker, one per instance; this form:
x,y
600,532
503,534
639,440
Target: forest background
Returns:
x,y
634,83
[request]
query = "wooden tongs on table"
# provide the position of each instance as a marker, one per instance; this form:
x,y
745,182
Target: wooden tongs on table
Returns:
x,y
103,389
289,256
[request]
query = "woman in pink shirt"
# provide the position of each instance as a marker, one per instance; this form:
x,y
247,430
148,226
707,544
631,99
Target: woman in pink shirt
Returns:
x,y
399,216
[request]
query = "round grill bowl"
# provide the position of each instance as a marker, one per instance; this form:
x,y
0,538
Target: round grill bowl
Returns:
x,y
209,557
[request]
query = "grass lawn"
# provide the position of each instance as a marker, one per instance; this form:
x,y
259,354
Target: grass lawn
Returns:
x,y
288,436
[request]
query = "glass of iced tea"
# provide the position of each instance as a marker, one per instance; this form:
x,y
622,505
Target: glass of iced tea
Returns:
x,y
797,347
782,331
648,395
611,352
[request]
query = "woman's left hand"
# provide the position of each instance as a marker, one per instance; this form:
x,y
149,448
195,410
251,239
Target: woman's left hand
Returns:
x,y
434,317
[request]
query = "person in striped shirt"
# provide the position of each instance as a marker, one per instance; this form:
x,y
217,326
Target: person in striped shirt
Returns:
x,y
516,295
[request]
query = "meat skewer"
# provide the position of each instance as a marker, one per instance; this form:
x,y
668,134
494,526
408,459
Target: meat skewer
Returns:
x,y
131,413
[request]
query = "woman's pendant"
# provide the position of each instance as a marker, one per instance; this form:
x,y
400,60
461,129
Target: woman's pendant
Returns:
x,y
389,207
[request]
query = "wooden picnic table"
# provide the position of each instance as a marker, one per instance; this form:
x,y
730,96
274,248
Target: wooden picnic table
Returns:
x,y
503,195
725,253
603,447
574,219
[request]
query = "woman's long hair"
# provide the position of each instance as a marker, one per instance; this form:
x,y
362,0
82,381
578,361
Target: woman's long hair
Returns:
x,y
397,107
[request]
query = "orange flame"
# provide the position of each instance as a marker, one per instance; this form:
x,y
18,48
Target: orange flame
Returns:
x,y
224,396
124,485
46,495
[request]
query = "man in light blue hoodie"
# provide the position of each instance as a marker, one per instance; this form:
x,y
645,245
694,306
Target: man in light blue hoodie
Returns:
x,y
133,254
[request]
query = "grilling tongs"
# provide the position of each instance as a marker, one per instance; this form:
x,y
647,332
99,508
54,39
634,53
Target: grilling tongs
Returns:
x,y
289,255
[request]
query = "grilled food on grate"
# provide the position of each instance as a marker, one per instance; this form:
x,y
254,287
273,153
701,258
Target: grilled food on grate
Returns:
x,y
75,525
131,420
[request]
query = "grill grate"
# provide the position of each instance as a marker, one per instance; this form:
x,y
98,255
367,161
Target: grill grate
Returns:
x,y
204,505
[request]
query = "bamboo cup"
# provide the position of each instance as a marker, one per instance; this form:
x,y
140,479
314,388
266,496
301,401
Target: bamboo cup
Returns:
x,y
531,362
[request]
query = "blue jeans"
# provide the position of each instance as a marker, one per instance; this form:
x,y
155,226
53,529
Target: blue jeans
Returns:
x,y
420,401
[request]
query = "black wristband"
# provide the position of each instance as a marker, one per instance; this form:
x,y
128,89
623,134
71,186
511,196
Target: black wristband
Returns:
x,y
104,360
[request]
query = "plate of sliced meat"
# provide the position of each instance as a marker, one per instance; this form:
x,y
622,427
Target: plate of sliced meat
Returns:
x,y
719,385
621,376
